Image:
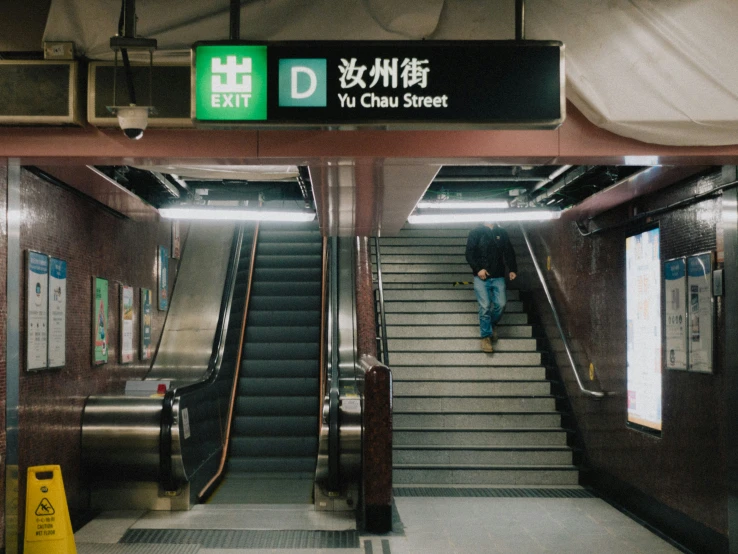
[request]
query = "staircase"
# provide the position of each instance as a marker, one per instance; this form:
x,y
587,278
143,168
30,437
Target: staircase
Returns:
x,y
275,428
461,416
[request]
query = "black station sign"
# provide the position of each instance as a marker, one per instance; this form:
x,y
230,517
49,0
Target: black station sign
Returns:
x,y
430,84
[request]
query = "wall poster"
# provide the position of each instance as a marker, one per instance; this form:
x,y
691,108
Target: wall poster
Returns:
x,y
176,242
99,321
57,312
643,316
145,334
163,278
37,310
675,285
126,324
699,281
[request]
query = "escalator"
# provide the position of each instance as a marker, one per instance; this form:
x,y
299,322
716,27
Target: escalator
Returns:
x,y
274,434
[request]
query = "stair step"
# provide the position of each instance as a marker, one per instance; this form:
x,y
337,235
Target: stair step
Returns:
x,y
454,331
287,288
458,345
495,455
292,248
449,295
470,389
275,425
476,420
408,242
464,358
478,474
278,274
283,334
277,405
282,351
289,447
436,307
399,276
532,373
435,404
450,319
285,318
282,303
472,436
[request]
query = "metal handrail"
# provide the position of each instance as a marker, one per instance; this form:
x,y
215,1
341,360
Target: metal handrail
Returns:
x,y
595,394
382,317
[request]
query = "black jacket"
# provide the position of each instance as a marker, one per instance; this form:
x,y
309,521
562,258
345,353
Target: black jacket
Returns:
x,y
490,249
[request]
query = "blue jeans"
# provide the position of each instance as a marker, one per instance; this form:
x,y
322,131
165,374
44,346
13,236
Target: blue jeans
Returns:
x,y
492,297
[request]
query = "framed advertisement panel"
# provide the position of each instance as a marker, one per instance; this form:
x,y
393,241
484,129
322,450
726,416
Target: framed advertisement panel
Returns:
x,y
163,287
99,321
126,324
643,316
675,294
147,302
37,310
57,312
701,312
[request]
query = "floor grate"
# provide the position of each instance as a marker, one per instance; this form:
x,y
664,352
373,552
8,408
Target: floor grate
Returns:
x,y
470,492
218,538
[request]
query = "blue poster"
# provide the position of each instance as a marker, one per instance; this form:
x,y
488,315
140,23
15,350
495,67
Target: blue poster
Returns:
x,y
163,278
675,289
37,306
57,312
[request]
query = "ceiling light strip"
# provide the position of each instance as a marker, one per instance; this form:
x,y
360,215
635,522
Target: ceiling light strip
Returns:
x,y
489,217
234,215
492,205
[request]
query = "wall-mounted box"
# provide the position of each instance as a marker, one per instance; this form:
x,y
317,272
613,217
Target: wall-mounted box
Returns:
x,y
170,92
39,92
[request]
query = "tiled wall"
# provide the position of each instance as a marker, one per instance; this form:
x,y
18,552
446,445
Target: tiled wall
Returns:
x,y
94,242
685,469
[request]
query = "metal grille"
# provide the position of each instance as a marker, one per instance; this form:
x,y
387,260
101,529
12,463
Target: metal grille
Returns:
x,y
492,492
209,538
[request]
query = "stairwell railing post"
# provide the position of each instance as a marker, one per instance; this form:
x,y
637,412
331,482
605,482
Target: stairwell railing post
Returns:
x,y
586,391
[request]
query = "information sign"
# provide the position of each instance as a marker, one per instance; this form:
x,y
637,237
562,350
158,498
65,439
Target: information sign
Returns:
x,y
99,321
146,310
57,312
675,284
126,324
699,271
163,278
643,316
398,84
37,310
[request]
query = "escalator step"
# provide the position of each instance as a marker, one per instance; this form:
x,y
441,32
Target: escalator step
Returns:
x,y
280,368
262,274
283,334
282,303
268,465
288,262
270,248
287,288
275,426
286,318
273,446
285,351
279,386
277,405
282,236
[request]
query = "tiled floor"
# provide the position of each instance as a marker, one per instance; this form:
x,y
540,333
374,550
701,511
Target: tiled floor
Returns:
x,y
428,525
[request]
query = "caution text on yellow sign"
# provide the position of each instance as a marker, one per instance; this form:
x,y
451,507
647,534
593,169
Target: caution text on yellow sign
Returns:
x,y
48,527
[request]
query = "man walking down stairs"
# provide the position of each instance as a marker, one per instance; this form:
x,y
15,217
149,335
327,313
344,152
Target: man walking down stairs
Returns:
x,y
464,417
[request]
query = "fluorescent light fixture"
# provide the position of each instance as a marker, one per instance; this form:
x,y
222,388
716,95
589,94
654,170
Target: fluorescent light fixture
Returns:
x,y
485,217
235,215
641,160
492,205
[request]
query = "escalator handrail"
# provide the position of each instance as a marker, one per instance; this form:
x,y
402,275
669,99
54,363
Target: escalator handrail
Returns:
x,y
323,303
585,391
234,390
380,290
333,393
166,474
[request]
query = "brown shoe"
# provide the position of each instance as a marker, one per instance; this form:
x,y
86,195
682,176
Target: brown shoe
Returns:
x,y
487,345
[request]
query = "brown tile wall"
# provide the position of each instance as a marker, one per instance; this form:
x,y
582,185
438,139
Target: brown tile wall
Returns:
x,y
685,469
3,330
94,242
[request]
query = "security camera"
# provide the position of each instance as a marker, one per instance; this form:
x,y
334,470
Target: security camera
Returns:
x,y
133,120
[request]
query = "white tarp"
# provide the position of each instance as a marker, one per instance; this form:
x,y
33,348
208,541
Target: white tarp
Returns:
x,y
659,71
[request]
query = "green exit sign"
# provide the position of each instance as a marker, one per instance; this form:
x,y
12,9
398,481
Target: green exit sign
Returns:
x,y
231,83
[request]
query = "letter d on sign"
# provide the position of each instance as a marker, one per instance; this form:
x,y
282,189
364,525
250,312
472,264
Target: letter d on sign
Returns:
x,y
296,70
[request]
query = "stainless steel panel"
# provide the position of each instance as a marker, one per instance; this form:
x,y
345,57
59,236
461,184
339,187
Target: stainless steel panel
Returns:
x,y
120,437
187,340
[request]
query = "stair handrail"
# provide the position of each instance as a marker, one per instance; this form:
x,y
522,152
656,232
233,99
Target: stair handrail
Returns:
x,y
236,372
585,391
382,316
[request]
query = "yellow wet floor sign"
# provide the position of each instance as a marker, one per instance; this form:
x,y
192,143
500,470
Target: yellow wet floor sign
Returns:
x,y
48,527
